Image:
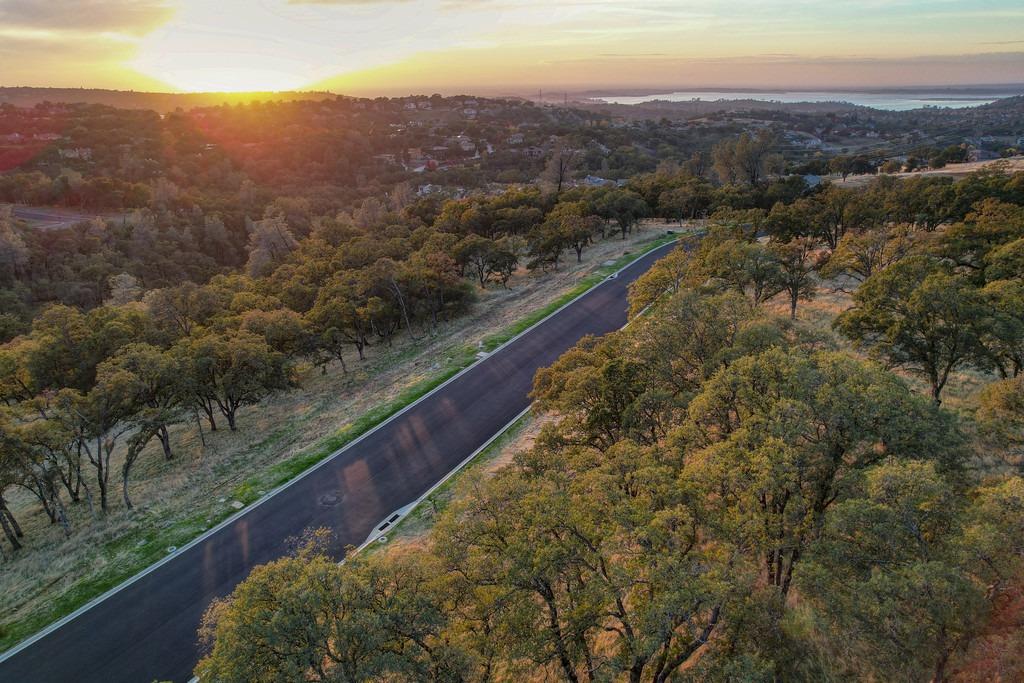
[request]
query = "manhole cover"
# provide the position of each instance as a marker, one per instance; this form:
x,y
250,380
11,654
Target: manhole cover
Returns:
x,y
329,499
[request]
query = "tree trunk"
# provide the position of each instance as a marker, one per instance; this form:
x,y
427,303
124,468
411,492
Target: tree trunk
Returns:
x,y
555,627
940,668
687,652
199,426
71,488
58,508
40,493
6,512
124,489
103,492
207,407
9,533
101,475
405,311
88,498
165,441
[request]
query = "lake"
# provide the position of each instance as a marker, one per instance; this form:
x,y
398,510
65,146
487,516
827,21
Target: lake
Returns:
x,y
891,100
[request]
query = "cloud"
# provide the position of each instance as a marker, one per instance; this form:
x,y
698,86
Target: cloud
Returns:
x,y
132,17
74,43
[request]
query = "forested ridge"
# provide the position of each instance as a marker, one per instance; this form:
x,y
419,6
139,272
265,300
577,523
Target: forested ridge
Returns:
x,y
728,492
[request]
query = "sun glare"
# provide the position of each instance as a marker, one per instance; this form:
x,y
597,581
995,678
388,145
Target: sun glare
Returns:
x,y
227,79
246,45
228,46
200,68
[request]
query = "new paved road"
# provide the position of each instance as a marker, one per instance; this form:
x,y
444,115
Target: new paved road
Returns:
x,y
47,217
147,630
52,218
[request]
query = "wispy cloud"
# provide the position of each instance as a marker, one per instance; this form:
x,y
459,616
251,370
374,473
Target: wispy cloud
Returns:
x,y
133,17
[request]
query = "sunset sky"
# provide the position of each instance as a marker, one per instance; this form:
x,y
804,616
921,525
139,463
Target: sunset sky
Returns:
x,y
401,46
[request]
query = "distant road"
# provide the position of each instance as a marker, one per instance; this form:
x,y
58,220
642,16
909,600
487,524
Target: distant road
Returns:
x,y
147,630
51,218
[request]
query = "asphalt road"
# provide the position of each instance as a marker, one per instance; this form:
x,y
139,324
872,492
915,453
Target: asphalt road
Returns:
x,y
48,218
51,218
147,630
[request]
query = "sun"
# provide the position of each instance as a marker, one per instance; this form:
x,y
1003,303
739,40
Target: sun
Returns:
x,y
220,68
214,78
275,45
226,46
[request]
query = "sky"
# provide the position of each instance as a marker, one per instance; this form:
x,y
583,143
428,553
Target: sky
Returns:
x,y
390,47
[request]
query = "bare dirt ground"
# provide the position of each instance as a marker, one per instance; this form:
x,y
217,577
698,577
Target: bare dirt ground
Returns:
x,y
1009,165
198,487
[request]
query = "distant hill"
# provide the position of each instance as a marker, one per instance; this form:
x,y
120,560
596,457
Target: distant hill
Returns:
x,y
156,101
656,109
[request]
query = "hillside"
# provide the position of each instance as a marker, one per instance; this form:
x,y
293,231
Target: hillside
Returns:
x,y
162,102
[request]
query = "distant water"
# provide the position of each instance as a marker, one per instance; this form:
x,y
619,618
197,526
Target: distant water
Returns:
x,y
891,100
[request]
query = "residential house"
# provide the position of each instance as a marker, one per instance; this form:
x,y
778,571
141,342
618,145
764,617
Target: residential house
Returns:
x,y
975,154
83,153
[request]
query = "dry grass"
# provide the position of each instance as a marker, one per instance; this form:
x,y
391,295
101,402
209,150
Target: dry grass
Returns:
x,y
997,654
1008,165
815,318
179,499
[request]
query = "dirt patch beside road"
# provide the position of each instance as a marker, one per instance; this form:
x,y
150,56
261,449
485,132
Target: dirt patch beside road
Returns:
x,y
1009,165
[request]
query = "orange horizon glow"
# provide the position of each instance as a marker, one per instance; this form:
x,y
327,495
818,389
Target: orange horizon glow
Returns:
x,y
403,46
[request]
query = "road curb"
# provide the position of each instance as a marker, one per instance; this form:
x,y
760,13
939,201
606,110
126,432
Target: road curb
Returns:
x,y
390,522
